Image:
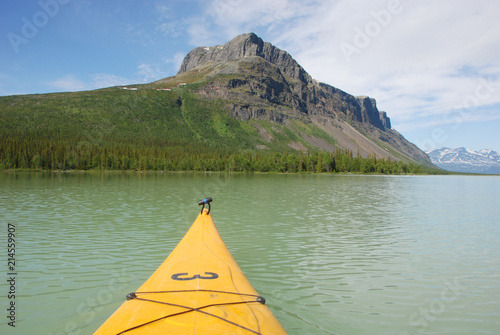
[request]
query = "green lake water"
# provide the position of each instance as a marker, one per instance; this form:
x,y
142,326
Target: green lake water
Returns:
x,y
331,254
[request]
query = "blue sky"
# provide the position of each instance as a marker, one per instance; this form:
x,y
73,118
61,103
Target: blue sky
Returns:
x,y
433,66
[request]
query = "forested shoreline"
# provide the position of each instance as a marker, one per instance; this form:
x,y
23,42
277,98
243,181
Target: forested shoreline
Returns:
x,y
44,154
150,130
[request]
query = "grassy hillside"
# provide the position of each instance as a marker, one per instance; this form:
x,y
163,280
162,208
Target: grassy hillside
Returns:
x,y
151,129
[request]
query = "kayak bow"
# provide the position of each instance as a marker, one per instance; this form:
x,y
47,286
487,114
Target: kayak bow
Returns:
x,y
199,289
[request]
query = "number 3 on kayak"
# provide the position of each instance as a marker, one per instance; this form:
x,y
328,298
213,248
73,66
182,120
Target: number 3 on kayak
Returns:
x,y
198,289
182,276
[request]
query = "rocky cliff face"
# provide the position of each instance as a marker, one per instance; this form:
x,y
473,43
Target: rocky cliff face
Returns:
x,y
260,81
369,113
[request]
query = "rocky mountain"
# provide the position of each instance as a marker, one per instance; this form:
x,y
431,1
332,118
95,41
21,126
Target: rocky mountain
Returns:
x,y
255,80
465,160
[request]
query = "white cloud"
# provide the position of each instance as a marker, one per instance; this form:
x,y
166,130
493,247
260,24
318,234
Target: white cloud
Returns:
x,y
151,72
69,82
240,15
145,73
101,80
175,62
168,23
200,32
225,19
164,11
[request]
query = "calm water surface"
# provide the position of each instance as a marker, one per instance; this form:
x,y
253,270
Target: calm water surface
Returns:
x,y
331,254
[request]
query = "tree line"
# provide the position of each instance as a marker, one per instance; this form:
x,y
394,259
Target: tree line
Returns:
x,y
162,155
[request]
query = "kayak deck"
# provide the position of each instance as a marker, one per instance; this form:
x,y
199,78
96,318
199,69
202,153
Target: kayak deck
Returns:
x,y
199,289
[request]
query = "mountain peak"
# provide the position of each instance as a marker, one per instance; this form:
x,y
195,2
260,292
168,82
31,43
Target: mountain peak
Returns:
x,y
241,47
248,37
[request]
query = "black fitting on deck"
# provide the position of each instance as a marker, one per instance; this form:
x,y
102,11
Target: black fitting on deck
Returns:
x,y
131,296
205,201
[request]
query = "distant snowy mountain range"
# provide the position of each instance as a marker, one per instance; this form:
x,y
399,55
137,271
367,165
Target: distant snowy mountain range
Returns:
x,y
465,160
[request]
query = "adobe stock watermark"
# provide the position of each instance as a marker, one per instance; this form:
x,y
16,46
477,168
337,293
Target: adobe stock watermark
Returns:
x,y
426,314
31,26
483,91
372,29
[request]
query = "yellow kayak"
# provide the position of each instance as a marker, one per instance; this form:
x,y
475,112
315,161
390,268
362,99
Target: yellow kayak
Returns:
x,y
199,289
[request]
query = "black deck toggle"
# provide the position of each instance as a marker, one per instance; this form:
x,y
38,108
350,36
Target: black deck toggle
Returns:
x,y
131,296
205,201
